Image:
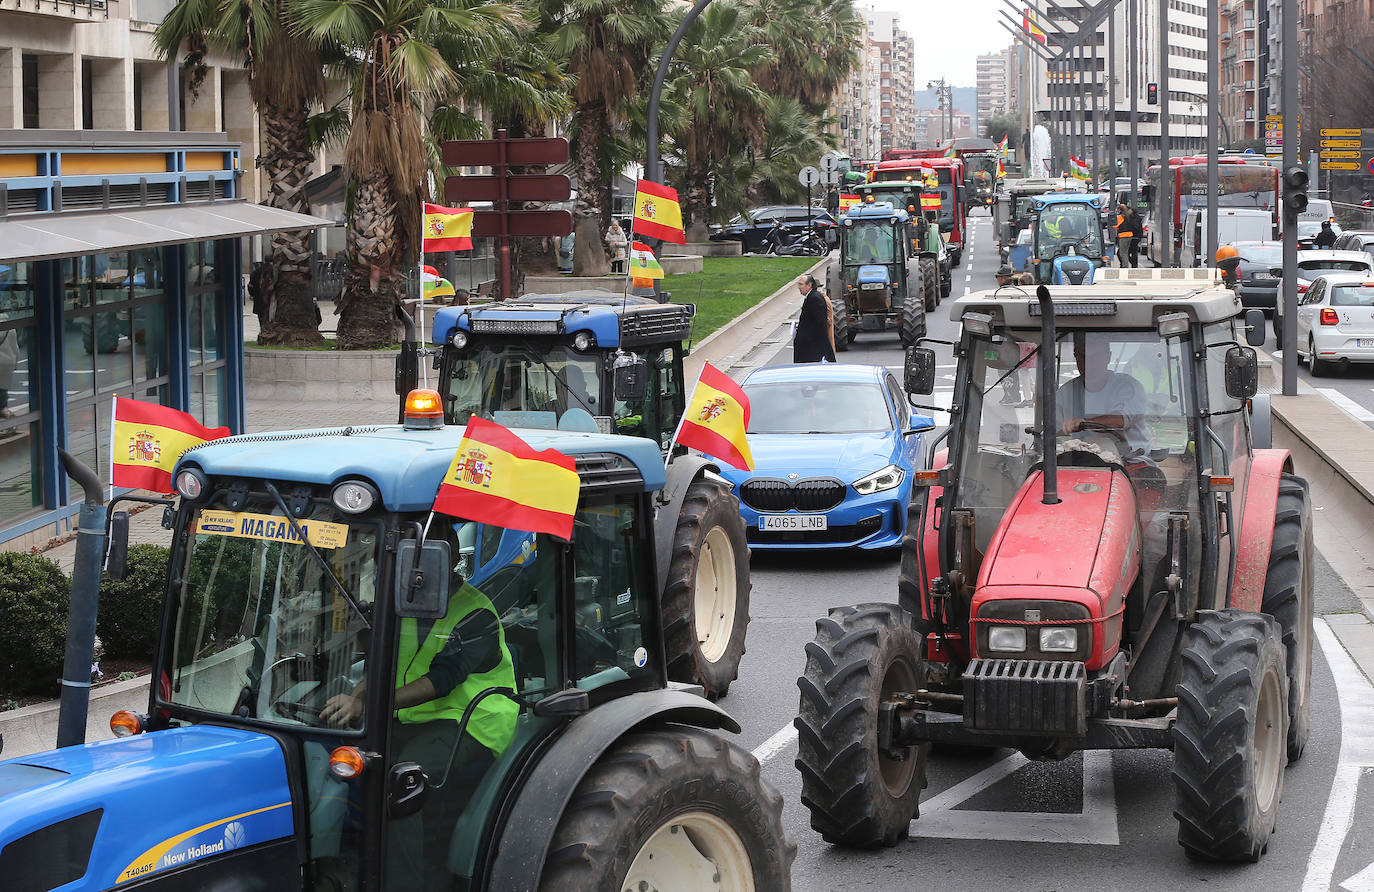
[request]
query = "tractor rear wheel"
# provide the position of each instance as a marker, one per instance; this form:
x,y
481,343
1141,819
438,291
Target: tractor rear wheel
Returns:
x,y
1288,598
930,284
843,337
672,808
913,326
858,795
706,598
1230,745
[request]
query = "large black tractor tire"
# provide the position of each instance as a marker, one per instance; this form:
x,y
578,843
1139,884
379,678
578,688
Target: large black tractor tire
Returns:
x,y
1230,739
843,336
930,284
913,326
858,795
706,598
1288,598
671,808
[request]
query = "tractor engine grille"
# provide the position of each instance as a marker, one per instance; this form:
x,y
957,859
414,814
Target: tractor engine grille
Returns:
x,y
1026,697
770,495
655,325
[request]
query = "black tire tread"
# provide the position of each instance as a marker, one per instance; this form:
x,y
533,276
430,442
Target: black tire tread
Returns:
x,y
913,326
930,283
842,336
1288,598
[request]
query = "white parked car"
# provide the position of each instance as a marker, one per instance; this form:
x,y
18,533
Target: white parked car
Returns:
x,y
1312,264
1336,322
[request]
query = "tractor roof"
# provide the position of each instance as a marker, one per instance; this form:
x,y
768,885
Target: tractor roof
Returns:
x,y
878,210
1041,184
1114,304
1049,199
613,319
406,466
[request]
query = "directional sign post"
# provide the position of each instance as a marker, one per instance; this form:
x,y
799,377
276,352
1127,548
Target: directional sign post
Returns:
x,y
809,176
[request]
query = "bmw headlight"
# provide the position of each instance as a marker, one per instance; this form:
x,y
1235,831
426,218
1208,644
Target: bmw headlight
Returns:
x,y
1058,640
887,478
1007,639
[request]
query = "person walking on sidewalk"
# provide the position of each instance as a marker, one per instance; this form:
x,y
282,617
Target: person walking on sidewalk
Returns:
x,y
1127,235
815,337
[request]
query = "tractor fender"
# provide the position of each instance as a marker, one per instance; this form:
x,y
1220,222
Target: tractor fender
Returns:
x,y
682,472
1257,526
539,805
1261,422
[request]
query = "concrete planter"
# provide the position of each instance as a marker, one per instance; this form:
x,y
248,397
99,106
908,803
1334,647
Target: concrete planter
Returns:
x,y
319,375
705,249
33,729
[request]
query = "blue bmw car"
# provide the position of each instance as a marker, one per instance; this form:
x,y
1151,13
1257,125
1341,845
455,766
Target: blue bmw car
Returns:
x,y
834,447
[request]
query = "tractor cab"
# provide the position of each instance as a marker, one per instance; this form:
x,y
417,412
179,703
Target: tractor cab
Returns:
x,y
882,278
1067,242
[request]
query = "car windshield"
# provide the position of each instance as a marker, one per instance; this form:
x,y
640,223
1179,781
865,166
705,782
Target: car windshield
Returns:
x,y
1354,266
817,407
1360,295
523,385
261,631
1308,227
869,241
1264,255
1069,224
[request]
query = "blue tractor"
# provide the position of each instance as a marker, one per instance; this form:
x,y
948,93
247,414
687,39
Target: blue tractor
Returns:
x,y
1067,242
596,361
883,278
352,692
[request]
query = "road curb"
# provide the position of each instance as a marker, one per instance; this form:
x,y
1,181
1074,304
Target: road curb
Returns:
x,y
732,334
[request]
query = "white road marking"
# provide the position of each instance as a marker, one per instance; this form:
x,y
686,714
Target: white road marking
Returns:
x,y
1095,825
1352,408
967,290
785,737
1356,699
1361,882
968,278
1277,354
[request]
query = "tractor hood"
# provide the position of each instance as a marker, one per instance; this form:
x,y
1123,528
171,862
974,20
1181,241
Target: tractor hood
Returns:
x,y
133,807
872,273
1074,560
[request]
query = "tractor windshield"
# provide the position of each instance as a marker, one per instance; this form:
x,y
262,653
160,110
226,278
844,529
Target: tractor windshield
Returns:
x,y
261,631
869,241
1061,226
523,385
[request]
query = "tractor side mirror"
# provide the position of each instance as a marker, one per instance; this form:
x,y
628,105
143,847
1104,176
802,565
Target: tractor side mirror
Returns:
x,y
117,547
422,579
630,379
1242,373
920,370
1254,327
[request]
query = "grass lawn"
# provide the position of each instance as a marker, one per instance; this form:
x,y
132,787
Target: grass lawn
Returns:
x,y
727,286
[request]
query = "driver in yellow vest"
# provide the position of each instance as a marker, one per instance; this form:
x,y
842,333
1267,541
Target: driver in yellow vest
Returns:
x,y
441,667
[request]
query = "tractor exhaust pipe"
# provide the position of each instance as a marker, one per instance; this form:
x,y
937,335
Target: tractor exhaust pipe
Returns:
x,y
1049,424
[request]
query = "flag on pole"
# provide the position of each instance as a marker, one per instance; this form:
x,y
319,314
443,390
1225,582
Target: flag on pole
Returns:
x,y
148,440
716,419
643,263
496,477
447,229
1028,23
949,152
657,213
436,286
1078,168
1001,169
1002,147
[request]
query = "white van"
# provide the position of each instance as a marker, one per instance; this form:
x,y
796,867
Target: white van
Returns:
x,y
1318,209
1233,225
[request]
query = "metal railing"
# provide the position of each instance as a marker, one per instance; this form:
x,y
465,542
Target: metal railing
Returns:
x,y
91,8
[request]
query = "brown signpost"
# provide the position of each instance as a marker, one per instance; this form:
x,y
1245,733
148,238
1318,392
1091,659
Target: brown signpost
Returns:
x,y
502,187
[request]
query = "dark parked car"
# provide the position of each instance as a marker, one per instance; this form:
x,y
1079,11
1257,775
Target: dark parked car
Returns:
x,y
752,228
1258,287
1356,240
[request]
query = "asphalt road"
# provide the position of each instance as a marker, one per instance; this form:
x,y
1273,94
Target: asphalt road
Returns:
x,y
997,821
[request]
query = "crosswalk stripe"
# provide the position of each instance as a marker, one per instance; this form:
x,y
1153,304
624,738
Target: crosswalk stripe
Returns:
x,y
1352,408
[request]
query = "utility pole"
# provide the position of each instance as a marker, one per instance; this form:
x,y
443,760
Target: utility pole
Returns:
x,y
1288,73
1213,55
1111,103
1133,85
1164,218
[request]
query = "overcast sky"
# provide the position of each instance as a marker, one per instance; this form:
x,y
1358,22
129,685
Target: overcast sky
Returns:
x,y
949,36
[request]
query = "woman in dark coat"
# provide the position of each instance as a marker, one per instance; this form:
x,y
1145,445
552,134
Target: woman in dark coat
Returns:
x,y
815,338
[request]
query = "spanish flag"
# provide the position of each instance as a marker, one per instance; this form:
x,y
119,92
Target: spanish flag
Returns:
x,y
148,440
497,478
447,229
657,213
1028,22
643,263
716,419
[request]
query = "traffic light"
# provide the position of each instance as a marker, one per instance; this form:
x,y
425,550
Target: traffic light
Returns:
x,y
1294,194
1152,94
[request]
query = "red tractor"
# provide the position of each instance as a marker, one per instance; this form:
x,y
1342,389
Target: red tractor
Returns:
x,y
1104,554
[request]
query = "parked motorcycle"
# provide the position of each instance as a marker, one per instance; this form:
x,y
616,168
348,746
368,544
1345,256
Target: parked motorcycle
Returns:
x,y
783,242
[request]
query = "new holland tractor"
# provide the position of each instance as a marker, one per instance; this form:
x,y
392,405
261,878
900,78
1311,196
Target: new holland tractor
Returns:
x,y
1066,245
352,693
1118,560
880,280
552,362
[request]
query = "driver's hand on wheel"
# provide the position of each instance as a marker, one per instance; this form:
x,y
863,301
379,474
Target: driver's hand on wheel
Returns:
x,y
1071,426
342,710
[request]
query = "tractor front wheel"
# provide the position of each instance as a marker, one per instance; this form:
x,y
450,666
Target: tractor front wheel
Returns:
x,y
1230,739
843,337
859,795
1288,598
674,808
913,326
706,599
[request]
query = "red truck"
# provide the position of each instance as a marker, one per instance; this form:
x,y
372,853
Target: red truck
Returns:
x,y
949,176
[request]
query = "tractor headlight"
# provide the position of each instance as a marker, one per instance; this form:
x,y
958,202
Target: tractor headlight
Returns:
x,y
1058,640
583,341
354,496
191,484
1007,639
886,478
459,339
872,286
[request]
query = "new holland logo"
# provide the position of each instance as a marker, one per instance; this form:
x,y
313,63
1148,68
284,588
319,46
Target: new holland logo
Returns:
x,y
144,447
475,468
712,410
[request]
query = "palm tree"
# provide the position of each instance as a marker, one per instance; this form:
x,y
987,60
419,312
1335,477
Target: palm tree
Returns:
x,y
711,80
608,45
401,68
816,45
285,78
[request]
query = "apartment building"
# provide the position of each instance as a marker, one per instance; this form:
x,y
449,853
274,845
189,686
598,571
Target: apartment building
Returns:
x,y
996,82
895,52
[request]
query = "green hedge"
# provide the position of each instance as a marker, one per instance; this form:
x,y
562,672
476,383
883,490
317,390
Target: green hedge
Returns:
x,y
34,597
131,608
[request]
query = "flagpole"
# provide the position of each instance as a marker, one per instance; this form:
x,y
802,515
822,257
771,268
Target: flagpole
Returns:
x,y
420,280
690,396
114,407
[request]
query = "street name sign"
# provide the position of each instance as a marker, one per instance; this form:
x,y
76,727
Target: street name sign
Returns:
x,y
1335,154
1340,144
1340,132
1340,165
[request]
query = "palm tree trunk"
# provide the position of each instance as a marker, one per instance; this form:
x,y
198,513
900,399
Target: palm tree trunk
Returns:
x,y
697,203
375,281
589,254
286,159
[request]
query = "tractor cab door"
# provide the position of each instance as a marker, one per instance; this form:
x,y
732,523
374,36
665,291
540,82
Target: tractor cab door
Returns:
x,y
1229,452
